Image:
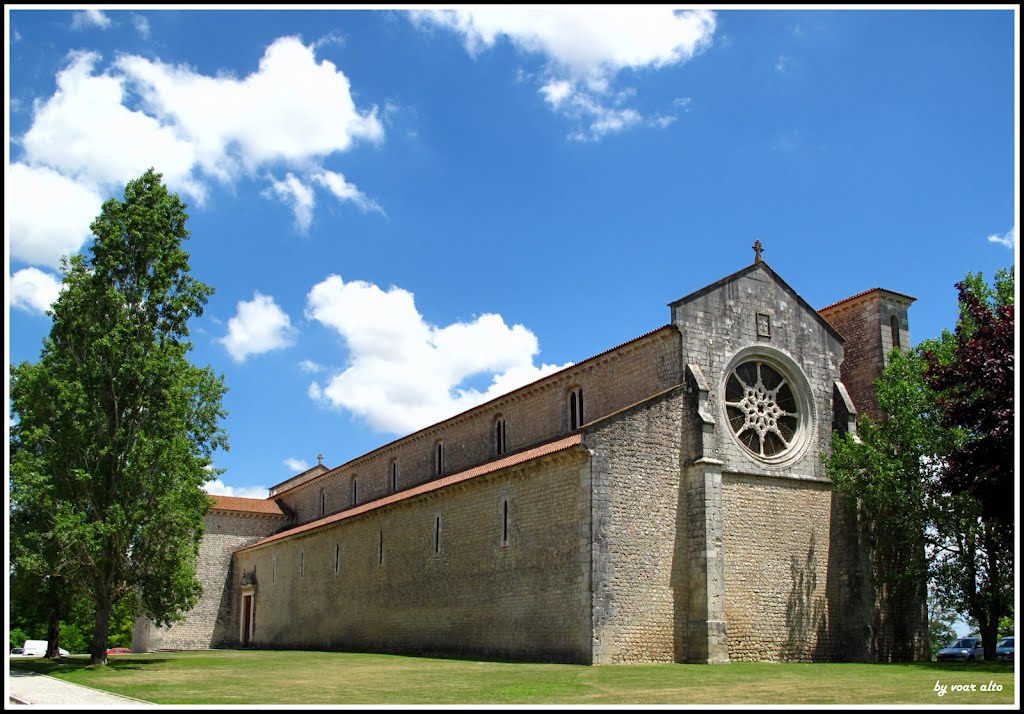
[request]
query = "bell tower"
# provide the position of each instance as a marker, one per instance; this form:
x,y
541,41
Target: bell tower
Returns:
x,y
873,323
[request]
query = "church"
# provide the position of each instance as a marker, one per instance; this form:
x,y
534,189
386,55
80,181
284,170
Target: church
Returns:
x,y
663,501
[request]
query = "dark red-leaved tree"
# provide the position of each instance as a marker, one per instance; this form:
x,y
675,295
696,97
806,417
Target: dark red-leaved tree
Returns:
x,y
975,390
976,394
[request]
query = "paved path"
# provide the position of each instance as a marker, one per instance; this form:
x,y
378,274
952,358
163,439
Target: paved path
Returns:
x,y
31,688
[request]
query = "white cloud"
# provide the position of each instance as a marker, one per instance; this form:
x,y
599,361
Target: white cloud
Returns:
x,y
141,24
33,290
105,126
404,373
585,48
38,234
89,18
292,109
217,487
1007,240
344,191
296,465
291,191
259,326
86,133
310,367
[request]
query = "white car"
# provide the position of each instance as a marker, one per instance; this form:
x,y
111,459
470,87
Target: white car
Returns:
x,y
35,648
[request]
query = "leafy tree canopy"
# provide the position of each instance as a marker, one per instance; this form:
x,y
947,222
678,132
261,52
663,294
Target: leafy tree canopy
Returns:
x,y
114,428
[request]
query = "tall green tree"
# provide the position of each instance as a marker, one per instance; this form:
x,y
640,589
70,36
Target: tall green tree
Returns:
x,y
114,423
921,519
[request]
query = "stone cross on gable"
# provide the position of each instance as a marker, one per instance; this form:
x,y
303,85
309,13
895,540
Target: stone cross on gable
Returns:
x,y
758,249
320,459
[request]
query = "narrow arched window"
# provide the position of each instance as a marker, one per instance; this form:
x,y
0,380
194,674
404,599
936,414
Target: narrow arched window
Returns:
x,y
393,477
323,502
439,459
575,408
504,521
355,491
894,325
499,436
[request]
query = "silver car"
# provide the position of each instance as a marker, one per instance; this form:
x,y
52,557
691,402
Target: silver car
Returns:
x,y
1004,650
966,649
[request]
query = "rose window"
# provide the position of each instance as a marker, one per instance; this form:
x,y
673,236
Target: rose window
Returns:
x,y
762,409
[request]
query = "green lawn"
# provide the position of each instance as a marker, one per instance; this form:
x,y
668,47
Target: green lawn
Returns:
x,y
289,677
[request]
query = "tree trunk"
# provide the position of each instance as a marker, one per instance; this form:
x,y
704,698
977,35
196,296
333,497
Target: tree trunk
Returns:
x,y
98,650
989,634
53,634
53,628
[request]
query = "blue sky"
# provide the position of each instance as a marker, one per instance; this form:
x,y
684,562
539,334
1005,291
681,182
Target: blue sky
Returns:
x,y
405,214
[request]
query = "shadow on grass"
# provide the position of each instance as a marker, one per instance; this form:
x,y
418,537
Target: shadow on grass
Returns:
x,y
73,664
997,667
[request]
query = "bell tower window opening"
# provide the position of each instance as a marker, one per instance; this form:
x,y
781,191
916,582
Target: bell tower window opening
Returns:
x,y
439,459
575,409
500,445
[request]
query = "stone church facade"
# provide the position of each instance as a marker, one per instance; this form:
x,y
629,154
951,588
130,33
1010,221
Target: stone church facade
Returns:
x,y
665,500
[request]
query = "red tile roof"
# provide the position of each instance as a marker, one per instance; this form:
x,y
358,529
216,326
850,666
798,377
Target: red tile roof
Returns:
x,y
246,505
490,467
866,292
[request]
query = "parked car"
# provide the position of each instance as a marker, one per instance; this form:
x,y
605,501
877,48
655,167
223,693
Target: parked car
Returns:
x,y
18,652
118,650
37,648
1004,650
966,649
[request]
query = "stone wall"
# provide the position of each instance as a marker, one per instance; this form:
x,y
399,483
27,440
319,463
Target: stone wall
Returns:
x,y
375,581
211,622
719,324
610,381
635,457
776,537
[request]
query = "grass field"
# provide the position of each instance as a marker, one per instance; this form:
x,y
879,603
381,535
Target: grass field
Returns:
x,y
290,677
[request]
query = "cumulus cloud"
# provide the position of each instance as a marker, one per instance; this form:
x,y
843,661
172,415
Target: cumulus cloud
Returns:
x,y
1007,240
585,48
405,373
217,487
40,235
104,126
86,132
296,465
33,290
292,109
259,326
